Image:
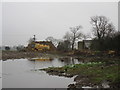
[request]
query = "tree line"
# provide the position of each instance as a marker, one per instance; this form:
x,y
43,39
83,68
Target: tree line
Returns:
x,y
105,36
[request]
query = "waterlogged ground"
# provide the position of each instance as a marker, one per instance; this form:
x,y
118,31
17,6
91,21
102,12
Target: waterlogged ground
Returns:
x,y
60,72
24,73
95,74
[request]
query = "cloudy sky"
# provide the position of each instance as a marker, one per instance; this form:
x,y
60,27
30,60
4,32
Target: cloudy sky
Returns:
x,y
22,20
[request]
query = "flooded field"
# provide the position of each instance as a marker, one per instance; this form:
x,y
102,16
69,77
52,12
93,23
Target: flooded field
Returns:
x,y
24,73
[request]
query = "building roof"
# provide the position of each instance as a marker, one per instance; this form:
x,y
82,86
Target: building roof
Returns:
x,y
43,42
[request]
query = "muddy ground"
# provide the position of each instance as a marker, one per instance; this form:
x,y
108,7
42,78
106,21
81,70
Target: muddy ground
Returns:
x,y
18,55
101,69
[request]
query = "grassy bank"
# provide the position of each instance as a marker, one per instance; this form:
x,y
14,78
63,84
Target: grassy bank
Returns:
x,y
89,74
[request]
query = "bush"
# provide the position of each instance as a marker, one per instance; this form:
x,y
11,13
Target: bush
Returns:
x,y
107,43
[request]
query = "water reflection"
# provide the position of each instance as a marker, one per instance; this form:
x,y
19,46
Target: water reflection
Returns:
x,y
39,63
21,74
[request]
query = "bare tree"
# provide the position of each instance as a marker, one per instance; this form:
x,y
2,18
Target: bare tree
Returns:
x,y
73,35
67,36
53,40
64,45
101,27
103,30
86,36
20,47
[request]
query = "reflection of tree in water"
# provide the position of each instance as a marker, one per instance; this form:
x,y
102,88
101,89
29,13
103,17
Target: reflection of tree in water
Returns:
x,y
70,60
66,60
80,60
42,63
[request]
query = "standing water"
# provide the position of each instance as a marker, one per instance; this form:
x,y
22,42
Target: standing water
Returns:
x,y
21,73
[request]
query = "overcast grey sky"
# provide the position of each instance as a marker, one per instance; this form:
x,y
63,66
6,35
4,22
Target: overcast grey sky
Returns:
x,y
24,19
